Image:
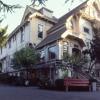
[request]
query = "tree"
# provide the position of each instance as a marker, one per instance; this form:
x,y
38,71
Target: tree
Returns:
x,y
75,61
25,58
3,36
5,8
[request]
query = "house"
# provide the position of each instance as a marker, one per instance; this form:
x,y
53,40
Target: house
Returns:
x,y
32,30
72,32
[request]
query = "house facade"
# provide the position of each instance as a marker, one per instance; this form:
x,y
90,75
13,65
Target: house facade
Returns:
x,y
72,32
32,30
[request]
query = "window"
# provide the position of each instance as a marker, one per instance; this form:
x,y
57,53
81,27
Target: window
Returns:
x,y
1,50
40,31
9,43
86,30
52,52
14,37
22,34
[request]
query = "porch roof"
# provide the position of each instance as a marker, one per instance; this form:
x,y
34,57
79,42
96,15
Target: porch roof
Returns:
x,y
51,38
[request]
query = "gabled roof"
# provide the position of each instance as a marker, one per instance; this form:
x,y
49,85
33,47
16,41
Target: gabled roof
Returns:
x,y
28,10
17,28
62,20
61,23
32,11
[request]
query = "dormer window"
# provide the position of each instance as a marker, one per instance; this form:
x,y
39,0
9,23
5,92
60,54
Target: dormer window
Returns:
x,y
40,31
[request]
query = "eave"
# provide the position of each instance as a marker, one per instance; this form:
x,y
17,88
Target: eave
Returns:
x,y
43,17
87,16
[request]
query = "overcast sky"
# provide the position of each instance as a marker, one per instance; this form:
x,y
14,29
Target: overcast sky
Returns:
x,y
58,6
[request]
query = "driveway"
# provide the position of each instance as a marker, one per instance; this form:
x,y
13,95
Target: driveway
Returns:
x,y
33,93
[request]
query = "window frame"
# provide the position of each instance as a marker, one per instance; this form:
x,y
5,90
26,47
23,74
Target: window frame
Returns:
x,y
86,30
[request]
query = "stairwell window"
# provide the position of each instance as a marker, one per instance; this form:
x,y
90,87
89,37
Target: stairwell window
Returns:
x,y
86,30
40,31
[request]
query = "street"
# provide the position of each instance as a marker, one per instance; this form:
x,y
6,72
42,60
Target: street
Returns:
x,y
33,93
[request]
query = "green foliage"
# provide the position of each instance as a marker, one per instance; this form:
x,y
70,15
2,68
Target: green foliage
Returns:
x,y
65,74
25,58
96,48
8,8
5,8
3,36
75,60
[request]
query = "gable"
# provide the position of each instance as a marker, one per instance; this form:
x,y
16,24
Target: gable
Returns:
x,y
28,11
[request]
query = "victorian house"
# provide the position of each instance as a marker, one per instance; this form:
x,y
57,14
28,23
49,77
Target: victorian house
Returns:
x,y
72,32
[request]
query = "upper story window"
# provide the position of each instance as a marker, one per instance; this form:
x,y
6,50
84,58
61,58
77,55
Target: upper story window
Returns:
x,y
14,37
9,43
40,31
86,30
52,52
22,34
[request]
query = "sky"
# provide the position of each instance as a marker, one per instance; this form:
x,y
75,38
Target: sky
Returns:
x,y
13,19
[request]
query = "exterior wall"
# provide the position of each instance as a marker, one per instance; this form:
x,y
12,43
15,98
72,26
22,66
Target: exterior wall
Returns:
x,y
45,49
85,36
34,30
30,35
16,44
